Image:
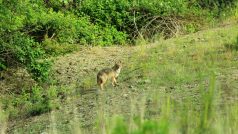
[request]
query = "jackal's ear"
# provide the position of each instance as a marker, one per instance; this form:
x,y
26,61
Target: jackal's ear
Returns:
x,y
118,62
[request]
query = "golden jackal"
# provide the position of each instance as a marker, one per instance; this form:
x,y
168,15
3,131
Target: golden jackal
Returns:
x,y
109,73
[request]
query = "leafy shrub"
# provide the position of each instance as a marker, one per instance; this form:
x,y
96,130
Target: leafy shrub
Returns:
x,y
68,29
21,49
34,101
24,49
17,48
40,70
9,21
40,24
133,17
105,12
38,102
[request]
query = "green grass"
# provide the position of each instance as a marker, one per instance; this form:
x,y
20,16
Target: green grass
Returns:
x,y
185,85
193,71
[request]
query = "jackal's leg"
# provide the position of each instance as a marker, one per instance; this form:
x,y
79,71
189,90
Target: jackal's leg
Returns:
x,y
114,82
101,86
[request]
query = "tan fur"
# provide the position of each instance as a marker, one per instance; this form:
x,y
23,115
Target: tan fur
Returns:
x,y
109,73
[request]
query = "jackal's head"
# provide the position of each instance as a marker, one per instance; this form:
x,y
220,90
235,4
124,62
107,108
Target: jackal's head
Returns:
x,y
118,65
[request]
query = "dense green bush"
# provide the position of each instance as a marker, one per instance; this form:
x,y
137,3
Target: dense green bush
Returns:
x,y
19,49
130,16
40,70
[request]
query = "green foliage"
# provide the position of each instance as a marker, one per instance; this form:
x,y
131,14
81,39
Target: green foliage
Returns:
x,y
21,49
203,107
87,83
211,4
236,43
40,70
25,50
216,8
53,48
146,127
25,26
38,101
232,46
121,127
185,117
191,28
149,127
128,16
67,28
208,99
8,20
34,101
31,31
105,12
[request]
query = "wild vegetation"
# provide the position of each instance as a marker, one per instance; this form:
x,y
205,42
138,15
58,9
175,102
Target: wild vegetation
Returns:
x,y
181,85
185,84
31,30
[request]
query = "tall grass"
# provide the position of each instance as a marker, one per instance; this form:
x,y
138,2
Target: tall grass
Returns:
x,y
174,117
185,117
3,120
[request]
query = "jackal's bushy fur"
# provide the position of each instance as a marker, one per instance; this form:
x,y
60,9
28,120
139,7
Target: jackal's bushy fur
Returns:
x,y
109,73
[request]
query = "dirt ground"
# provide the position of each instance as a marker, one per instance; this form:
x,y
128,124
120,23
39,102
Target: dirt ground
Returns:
x,y
88,104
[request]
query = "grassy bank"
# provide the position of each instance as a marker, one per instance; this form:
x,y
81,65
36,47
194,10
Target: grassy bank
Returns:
x,y
186,84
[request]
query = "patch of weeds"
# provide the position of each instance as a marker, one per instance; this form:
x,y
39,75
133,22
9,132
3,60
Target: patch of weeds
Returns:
x,y
33,102
40,70
87,83
3,120
232,46
43,101
52,47
207,104
120,127
191,28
